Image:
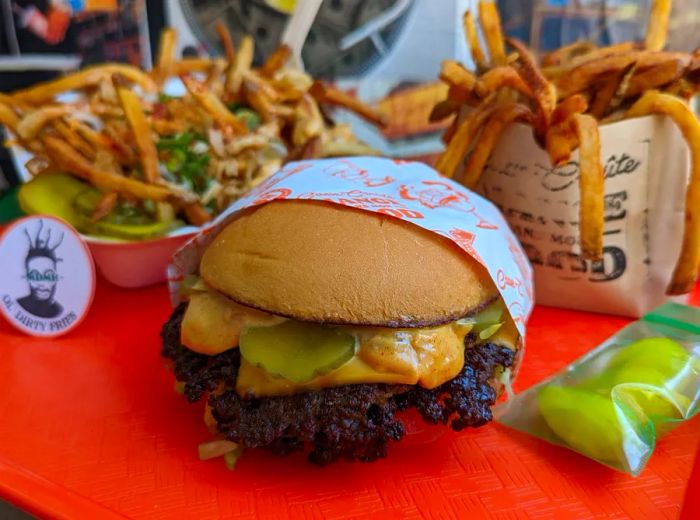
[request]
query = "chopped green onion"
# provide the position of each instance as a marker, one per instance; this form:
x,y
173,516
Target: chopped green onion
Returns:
x,y
249,117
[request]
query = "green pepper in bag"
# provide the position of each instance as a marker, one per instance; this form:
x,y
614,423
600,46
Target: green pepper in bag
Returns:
x,y
613,403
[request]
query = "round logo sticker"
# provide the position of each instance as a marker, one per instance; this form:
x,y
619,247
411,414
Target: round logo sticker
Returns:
x,y
47,279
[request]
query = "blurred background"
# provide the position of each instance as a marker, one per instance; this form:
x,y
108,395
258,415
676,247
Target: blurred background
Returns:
x,y
385,51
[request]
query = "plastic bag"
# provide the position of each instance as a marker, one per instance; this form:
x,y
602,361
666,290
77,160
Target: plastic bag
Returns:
x,y
613,403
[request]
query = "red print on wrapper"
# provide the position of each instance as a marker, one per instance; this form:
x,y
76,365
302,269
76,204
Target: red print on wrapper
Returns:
x,y
505,282
270,195
521,261
404,190
349,171
439,194
465,240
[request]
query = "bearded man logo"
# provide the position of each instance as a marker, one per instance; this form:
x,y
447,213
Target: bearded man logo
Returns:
x,y
41,273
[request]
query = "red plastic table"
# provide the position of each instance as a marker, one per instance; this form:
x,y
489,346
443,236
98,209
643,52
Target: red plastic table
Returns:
x,y
90,427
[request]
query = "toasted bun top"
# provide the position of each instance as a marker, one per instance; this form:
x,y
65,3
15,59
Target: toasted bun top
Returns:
x,y
322,262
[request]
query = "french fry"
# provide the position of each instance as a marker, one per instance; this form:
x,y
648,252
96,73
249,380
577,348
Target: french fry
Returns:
x,y
591,183
257,98
104,206
140,129
585,75
116,142
504,115
448,162
443,110
491,25
682,88
472,37
561,139
167,127
14,102
566,108
32,123
655,77
71,161
657,27
73,138
462,96
324,93
190,65
196,214
308,121
311,149
275,61
8,117
556,71
605,94
544,93
244,60
345,148
166,55
226,41
213,105
566,53
90,76
654,102
455,75
621,92
449,132
214,79
499,77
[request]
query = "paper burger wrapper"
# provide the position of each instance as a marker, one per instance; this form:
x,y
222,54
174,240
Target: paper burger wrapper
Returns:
x,y
404,190
646,167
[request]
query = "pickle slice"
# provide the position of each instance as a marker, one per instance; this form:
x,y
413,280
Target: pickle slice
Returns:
x,y
296,351
53,194
590,423
653,391
662,354
488,321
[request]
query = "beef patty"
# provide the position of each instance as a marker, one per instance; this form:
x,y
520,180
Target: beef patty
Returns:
x,y
353,422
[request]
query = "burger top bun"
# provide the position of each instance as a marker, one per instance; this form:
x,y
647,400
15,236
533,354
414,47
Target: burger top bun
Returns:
x,y
321,262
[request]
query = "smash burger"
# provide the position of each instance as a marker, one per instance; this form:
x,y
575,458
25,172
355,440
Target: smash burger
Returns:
x,y
311,326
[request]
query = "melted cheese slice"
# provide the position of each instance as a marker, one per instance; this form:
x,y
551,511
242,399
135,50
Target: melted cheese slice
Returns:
x,y
212,323
427,357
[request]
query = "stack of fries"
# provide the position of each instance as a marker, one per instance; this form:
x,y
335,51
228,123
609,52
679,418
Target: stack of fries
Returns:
x,y
189,156
565,98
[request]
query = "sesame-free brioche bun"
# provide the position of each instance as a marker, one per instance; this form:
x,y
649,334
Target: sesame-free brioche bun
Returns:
x,y
326,263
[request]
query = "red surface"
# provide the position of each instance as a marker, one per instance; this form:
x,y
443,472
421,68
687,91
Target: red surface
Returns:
x,y
90,427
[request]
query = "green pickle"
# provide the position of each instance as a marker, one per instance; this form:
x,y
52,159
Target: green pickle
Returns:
x,y
587,422
644,380
54,194
66,197
488,321
660,353
298,352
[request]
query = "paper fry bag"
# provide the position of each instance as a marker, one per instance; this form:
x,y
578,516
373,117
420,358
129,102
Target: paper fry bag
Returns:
x,y
405,190
646,167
